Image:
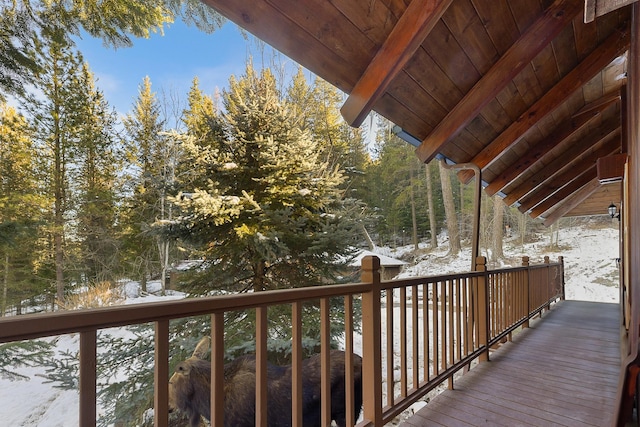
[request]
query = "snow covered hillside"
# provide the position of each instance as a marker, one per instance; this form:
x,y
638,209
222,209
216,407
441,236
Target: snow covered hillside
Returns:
x,y
591,273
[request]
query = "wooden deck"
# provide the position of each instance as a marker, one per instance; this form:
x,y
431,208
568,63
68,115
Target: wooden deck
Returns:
x,y
563,371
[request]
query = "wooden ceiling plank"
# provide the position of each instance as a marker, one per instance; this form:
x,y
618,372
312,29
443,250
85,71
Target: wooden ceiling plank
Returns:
x,y
539,150
499,22
610,49
260,18
572,174
539,178
466,26
406,37
564,48
572,202
598,104
564,192
521,53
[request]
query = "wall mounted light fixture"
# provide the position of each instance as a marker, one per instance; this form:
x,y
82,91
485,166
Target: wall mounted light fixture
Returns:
x,y
613,211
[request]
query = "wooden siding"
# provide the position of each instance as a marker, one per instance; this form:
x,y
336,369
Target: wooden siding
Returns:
x,y
562,371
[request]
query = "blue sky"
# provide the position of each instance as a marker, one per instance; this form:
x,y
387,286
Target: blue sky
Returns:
x,y
172,61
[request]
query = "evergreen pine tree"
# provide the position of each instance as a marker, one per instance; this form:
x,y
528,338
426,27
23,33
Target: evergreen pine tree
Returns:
x,y
268,213
94,182
22,205
56,117
146,147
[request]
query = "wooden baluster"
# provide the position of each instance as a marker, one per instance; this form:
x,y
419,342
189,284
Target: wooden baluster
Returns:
x,y
161,374
88,340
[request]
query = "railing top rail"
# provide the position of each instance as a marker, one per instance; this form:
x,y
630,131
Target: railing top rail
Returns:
x,y
396,283
40,325
15,328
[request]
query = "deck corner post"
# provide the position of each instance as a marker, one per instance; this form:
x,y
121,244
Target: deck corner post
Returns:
x,y
371,345
561,262
549,284
483,308
527,293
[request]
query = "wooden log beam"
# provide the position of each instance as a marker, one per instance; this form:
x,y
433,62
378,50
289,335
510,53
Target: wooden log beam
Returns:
x,y
578,197
615,45
571,173
606,130
598,104
521,53
565,192
412,28
539,150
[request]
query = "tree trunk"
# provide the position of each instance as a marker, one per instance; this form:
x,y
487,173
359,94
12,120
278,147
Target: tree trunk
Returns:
x,y
5,284
432,210
413,209
523,228
498,228
450,211
58,216
372,246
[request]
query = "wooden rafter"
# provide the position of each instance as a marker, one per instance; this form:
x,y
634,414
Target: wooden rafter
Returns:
x,y
539,35
412,28
599,104
560,134
538,151
564,192
571,202
606,130
572,173
607,51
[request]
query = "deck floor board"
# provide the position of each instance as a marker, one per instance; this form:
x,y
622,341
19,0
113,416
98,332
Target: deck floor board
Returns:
x,y
562,371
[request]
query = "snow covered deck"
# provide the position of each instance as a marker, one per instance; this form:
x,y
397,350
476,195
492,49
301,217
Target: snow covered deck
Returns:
x,y
562,371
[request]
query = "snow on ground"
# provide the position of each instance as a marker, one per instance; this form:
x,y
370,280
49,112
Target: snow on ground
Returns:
x,y
591,274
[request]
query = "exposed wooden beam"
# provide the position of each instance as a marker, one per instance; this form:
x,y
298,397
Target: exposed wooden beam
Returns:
x,y
564,192
539,150
521,53
599,104
571,173
572,202
606,130
412,28
616,44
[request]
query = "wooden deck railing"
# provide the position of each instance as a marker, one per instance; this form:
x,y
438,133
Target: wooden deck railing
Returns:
x,y
444,323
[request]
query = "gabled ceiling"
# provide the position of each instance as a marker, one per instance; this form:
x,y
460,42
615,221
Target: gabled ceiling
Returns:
x,y
525,89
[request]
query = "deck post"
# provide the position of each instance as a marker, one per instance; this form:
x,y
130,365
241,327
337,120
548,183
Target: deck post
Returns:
x,y
547,261
483,312
371,346
527,293
561,262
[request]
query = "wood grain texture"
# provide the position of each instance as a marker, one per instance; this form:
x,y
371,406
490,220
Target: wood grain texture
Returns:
x,y
613,47
563,371
503,71
405,38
